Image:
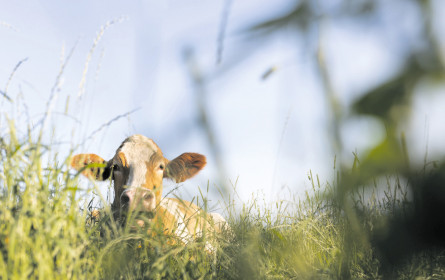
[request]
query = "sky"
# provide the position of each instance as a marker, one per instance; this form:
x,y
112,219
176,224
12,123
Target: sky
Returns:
x,y
117,58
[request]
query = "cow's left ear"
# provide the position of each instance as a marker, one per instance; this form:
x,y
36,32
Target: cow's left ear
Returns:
x,y
92,166
184,167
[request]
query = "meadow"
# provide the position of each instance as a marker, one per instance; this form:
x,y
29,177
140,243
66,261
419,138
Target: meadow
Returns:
x,y
380,216
356,227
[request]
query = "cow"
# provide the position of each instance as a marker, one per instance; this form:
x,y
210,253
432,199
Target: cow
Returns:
x,y
138,169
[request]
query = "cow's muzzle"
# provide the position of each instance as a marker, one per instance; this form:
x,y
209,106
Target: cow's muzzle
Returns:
x,y
138,199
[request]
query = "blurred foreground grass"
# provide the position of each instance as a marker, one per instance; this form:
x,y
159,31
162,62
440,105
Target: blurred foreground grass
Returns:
x,y
327,234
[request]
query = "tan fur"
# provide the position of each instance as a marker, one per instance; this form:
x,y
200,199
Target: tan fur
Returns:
x,y
123,159
152,180
80,162
140,154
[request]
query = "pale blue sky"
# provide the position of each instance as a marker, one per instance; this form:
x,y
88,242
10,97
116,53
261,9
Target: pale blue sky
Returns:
x,y
271,132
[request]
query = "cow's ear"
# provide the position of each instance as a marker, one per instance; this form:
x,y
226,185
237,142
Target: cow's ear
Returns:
x,y
184,167
92,166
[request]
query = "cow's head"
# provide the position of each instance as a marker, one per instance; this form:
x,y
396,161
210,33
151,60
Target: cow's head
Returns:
x,y
137,170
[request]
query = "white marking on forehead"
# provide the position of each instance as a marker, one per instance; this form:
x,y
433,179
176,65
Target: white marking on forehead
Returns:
x,y
138,150
140,141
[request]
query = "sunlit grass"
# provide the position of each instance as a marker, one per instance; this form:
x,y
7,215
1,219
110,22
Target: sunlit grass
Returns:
x,y
47,230
42,232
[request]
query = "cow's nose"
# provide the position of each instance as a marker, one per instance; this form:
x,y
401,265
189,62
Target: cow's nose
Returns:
x,y
125,199
138,198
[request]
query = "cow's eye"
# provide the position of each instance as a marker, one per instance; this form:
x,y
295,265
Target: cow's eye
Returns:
x,y
116,167
161,166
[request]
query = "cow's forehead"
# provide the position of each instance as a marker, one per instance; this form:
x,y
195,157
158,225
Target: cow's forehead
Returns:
x,y
138,147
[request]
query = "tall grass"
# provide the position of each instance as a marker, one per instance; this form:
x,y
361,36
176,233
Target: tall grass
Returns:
x,y
335,231
47,233
42,231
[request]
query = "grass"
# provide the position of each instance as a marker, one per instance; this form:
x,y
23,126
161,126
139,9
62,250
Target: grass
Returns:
x,y
46,234
352,228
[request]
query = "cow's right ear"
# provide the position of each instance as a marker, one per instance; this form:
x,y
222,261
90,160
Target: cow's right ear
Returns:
x,y
92,166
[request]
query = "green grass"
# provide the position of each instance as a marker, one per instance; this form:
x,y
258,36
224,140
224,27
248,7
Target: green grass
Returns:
x,y
45,234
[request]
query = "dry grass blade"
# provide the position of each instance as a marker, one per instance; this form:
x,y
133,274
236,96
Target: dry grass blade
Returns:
x,y
55,89
96,41
108,124
5,96
4,93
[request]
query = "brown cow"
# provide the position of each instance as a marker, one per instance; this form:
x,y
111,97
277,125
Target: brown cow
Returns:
x,y
137,169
